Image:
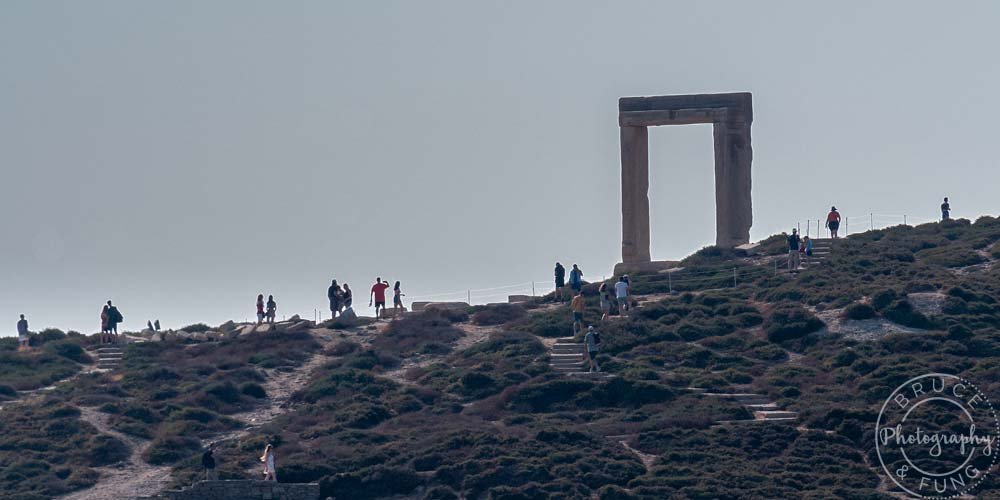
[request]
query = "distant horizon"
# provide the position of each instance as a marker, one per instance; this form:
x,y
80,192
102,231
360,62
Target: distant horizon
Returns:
x,y
541,288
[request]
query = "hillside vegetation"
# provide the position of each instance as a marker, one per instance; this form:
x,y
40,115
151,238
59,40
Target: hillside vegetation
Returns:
x,y
448,405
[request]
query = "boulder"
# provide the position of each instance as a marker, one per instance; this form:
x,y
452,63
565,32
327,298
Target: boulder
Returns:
x,y
294,318
181,334
263,328
300,326
513,299
199,336
213,335
247,330
228,326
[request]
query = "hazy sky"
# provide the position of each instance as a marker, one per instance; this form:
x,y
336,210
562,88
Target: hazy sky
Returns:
x,y
181,157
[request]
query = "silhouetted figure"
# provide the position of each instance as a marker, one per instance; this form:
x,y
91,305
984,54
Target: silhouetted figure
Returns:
x,y
114,317
260,308
348,296
22,334
576,279
336,296
156,325
945,210
105,321
560,273
149,325
272,309
397,301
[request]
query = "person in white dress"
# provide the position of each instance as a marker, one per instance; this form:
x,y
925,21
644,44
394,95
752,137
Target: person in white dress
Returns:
x,y
268,459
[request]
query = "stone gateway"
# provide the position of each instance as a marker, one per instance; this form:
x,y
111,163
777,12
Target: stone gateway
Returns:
x,y
730,116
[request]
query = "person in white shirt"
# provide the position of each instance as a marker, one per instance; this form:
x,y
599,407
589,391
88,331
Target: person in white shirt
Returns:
x,y
621,293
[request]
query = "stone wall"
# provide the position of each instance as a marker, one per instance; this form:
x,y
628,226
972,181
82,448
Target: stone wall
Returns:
x,y
242,490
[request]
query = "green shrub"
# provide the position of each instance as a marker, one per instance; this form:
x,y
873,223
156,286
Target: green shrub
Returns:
x,y
69,350
171,449
903,313
884,299
497,314
253,390
789,321
859,311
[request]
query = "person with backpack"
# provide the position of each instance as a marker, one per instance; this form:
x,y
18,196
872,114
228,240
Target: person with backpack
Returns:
x,y
945,210
593,341
22,334
114,317
793,251
833,222
578,305
560,273
576,280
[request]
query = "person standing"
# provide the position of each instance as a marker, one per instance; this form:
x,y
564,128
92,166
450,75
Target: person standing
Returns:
x,y
114,317
578,305
335,295
22,334
593,341
793,251
945,210
397,301
348,297
621,293
560,273
105,335
268,459
208,462
260,308
576,280
807,246
378,296
833,222
272,309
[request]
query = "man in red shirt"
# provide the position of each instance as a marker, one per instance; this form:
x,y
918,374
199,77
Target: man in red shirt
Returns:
x,y
378,293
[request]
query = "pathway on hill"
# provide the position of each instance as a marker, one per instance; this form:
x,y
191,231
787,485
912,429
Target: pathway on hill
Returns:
x,y
130,479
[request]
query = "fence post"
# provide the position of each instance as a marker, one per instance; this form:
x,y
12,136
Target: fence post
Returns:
x,y
807,226
872,215
904,219
847,226
532,288
470,296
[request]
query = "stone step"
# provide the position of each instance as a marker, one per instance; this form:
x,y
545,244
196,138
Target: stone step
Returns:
x,y
568,347
742,398
562,362
762,406
758,422
775,414
566,340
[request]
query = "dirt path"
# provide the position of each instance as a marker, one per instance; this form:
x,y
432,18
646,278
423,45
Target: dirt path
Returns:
x,y
126,480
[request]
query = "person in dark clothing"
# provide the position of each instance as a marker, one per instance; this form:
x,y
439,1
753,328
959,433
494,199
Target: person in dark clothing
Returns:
x,y
22,334
945,210
114,317
336,296
560,280
208,462
348,297
793,251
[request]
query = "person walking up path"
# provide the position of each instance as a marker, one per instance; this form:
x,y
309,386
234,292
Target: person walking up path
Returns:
x,y
945,210
576,279
272,309
336,296
621,294
268,459
397,301
377,296
793,251
578,305
593,341
560,273
22,334
260,308
807,246
605,295
833,222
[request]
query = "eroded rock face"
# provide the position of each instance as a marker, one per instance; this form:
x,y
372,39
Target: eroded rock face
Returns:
x,y
731,116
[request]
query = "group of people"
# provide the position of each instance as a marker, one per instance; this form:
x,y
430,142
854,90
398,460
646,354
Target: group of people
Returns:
x,y
267,459
266,311
614,299
110,317
342,299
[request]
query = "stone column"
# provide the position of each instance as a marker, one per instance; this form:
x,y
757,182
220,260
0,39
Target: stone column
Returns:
x,y
635,194
733,207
